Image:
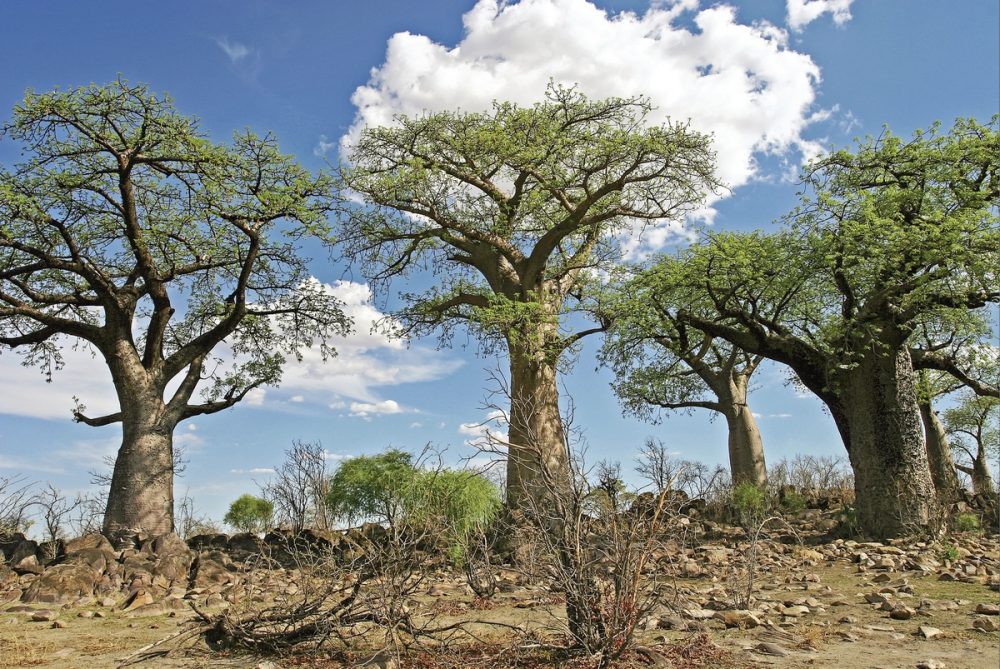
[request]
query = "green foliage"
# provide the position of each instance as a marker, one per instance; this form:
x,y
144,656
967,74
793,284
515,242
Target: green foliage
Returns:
x,y
949,552
518,208
793,502
749,502
968,522
376,487
249,514
124,218
388,488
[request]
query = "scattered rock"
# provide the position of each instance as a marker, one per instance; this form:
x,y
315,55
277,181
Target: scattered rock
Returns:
x,y
738,618
988,609
44,616
901,613
985,624
931,664
928,632
768,648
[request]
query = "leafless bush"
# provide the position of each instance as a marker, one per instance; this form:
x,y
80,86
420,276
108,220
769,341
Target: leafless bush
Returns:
x,y
88,515
55,509
353,595
299,486
660,468
17,496
741,573
583,541
188,522
811,472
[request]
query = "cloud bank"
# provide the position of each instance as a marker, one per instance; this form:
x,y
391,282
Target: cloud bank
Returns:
x,y
367,361
740,82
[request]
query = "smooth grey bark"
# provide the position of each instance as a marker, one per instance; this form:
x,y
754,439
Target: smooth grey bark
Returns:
x,y
979,472
746,449
536,434
939,458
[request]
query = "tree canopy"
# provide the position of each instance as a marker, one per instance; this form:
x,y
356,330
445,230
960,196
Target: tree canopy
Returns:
x,y
517,211
889,237
126,229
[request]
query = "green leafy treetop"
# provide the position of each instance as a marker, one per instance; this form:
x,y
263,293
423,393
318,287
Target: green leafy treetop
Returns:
x,y
250,514
518,211
890,237
126,229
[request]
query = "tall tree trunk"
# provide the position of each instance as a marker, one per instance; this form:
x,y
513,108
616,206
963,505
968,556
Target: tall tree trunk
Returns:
x,y
536,435
939,459
746,449
982,480
877,414
141,498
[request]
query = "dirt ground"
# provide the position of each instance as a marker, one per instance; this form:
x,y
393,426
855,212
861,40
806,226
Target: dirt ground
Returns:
x,y
841,630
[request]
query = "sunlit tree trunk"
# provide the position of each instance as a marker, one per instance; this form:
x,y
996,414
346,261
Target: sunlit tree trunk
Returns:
x,y
939,455
877,415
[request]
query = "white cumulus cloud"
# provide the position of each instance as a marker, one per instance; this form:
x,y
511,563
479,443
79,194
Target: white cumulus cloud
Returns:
x,y
740,82
803,12
366,361
369,409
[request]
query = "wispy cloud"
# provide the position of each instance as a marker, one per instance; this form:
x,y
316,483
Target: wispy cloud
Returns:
x,y
803,12
254,470
235,51
323,145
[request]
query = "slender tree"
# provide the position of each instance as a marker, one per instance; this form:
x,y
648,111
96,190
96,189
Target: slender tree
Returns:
x,y
127,230
974,425
517,211
663,364
888,237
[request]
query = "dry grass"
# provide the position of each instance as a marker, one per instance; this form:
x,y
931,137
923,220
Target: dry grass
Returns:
x,y
17,651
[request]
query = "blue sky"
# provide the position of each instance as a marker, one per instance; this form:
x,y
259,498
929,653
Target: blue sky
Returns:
x,y
793,79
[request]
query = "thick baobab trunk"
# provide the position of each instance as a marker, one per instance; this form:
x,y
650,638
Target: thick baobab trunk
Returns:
x,y
878,417
537,457
939,455
746,449
982,480
141,498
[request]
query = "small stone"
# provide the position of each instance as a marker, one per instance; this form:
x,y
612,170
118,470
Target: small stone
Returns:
x,y
795,611
931,664
85,614
58,624
901,613
44,616
988,609
928,632
738,618
774,649
985,624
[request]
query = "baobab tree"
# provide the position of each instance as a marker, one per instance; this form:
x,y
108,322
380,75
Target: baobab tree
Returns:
x,y
893,235
172,257
516,212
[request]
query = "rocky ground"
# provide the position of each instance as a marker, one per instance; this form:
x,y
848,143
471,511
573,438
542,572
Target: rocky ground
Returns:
x,y
843,603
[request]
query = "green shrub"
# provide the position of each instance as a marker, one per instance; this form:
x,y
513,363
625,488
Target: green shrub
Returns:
x,y
793,502
949,552
968,522
388,488
749,502
372,487
249,514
